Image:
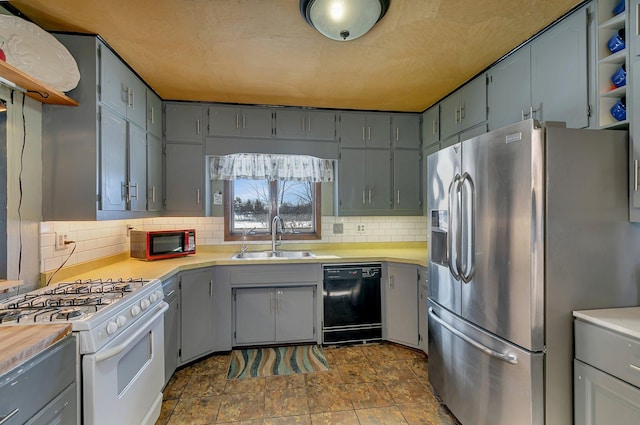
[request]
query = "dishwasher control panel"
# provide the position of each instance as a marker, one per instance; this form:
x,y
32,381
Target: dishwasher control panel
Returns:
x,y
352,271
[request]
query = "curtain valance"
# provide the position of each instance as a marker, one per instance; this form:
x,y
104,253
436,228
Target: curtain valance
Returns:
x,y
271,167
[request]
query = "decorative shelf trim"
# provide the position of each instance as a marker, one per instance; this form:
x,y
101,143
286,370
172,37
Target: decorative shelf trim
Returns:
x,y
35,89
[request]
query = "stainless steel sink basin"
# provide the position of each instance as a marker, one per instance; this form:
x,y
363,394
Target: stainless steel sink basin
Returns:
x,y
259,255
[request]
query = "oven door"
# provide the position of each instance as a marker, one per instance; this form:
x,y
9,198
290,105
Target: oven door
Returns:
x,y
122,382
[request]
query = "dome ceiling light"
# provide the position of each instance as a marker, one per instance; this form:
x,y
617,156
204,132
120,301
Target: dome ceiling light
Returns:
x,y
343,20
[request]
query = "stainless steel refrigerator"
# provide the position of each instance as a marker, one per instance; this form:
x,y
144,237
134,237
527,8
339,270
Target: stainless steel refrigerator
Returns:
x,y
526,225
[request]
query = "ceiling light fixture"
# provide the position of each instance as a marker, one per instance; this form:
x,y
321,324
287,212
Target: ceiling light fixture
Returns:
x,y
343,20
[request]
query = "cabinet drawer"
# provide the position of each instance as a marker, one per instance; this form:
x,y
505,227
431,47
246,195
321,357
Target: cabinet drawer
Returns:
x,y
609,351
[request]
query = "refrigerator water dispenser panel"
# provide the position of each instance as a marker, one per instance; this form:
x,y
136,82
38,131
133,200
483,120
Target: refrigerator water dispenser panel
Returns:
x,y
439,228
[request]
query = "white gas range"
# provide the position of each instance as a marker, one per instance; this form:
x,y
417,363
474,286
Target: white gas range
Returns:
x,y
120,329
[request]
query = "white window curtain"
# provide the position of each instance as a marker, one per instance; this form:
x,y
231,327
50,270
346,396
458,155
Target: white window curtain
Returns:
x,y
271,167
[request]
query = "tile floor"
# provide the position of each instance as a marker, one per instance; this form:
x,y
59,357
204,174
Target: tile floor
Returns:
x,y
366,384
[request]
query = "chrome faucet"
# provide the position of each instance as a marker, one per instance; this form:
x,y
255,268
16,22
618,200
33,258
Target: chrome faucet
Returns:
x,y
246,232
275,224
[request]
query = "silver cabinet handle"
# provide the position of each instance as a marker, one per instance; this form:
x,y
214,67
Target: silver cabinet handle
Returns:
x,y
130,96
197,126
363,138
369,196
5,419
398,197
171,292
210,287
461,112
506,357
369,138
434,127
271,300
634,367
198,196
363,198
237,121
153,193
397,134
278,297
131,186
153,116
244,121
635,175
308,124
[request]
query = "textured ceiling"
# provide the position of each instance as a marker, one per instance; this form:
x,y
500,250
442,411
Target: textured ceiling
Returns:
x,y
263,52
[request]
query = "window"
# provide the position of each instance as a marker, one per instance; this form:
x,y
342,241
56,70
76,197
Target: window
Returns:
x,y
251,205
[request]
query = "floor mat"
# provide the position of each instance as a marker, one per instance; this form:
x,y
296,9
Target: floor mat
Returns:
x,y
268,361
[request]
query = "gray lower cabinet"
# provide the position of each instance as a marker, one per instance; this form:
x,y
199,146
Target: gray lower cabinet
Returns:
x,y
94,160
171,289
364,182
606,378
196,314
274,315
401,292
44,389
547,79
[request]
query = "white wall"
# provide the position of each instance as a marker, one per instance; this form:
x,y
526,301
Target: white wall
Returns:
x,y
24,207
100,239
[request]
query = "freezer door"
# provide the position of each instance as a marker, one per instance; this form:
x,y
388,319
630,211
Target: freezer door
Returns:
x,y
483,380
502,197
443,168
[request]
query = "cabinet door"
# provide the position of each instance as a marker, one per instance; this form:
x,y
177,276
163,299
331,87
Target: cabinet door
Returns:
x,y
136,99
224,121
352,130
559,84
113,160
509,89
137,178
378,180
184,166
431,125
378,131
154,114
601,399
321,125
255,315
351,183
183,122
406,131
171,338
473,107
256,122
423,317
450,115
290,124
113,81
196,321
154,173
402,304
296,318
406,182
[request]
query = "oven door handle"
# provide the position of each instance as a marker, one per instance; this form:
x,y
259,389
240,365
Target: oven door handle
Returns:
x,y
107,354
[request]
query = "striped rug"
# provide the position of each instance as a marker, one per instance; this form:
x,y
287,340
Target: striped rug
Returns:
x,y
254,362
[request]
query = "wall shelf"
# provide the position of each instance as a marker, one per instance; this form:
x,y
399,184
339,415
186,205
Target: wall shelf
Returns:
x,y
35,89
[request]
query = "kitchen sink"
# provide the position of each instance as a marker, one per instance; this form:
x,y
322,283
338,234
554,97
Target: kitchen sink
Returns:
x,y
259,255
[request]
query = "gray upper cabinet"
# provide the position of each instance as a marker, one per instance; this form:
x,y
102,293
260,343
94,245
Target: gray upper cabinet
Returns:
x,y
545,80
405,131
464,108
155,190
100,147
364,184
154,114
559,84
509,89
183,122
233,121
358,129
407,198
120,89
431,125
184,179
293,123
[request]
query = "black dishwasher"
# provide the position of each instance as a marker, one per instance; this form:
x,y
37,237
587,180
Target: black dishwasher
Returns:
x,y
351,299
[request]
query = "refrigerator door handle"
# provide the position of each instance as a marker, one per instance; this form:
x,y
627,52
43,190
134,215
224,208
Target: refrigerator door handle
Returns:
x,y
453,188
469,229
505,357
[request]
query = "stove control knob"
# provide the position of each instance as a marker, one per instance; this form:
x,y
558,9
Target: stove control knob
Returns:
x,y
159,294
111,328
144,304
153,298
121,320
135,310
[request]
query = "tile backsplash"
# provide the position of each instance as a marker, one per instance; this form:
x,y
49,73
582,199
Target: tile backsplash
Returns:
x,y
98,239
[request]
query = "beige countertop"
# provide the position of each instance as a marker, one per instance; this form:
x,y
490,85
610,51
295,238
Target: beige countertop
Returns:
x,y
124,267
19,343
624,320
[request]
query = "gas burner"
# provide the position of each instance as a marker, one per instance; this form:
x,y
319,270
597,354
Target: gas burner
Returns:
x,y
68,314
10,316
